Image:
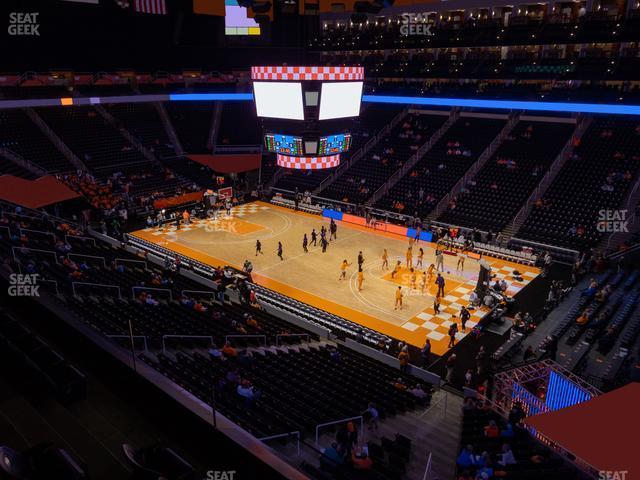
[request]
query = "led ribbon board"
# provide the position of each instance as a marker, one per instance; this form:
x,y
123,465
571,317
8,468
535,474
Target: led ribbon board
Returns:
x,y
307,73
308,163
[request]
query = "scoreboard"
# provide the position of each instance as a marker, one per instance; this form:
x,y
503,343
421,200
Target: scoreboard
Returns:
x,y
334,144
284,144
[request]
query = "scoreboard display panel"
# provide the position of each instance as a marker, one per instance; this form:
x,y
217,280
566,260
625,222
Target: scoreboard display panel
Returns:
x,y
284,144
334,144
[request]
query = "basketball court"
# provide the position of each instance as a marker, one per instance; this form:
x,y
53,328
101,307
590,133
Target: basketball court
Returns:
x,y
313,277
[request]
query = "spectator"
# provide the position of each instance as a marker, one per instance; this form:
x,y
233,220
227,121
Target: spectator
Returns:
x,y
492,430
331,458
403,359
506,457
466,459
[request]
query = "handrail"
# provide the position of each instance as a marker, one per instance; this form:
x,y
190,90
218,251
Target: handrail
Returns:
x,y
73,287
51,234
291,335
320,425
197,291
144,338
431,407
104,262
14,248
164,337
79,237
138,287
427,470
264,337
51,281
146,265
283,435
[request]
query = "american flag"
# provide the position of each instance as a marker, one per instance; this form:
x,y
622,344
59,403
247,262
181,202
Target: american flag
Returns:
x,y
158,7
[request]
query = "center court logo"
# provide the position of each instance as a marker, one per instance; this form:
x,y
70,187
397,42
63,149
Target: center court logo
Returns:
x,y
23,285
415,24
24,24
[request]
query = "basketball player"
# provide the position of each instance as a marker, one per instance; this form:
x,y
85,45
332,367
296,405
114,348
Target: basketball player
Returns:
x,y
343,269
430,271
280,250
324,243
461,258
333,230
305,242
398,298
412,279
385,260
420,257
410,257
418,232
227,206
423,282
259,248
360,279
439,260
314,238
360,260
396,269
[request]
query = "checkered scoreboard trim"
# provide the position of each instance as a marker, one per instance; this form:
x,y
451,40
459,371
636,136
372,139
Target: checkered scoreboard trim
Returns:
x,y
308,163
307,73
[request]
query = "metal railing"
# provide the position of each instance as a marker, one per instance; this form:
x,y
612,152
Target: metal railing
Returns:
x,y
284,435
357,156
184,292
413,159
335,422
74,284
50,281
78,237
264,338
13,251
128,260
138,287
427,470
476,166
196,337
291,335
128,337
514,226
104,262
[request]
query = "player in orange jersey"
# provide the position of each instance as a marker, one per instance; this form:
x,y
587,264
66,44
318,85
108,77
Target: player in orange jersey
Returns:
x,y
398,298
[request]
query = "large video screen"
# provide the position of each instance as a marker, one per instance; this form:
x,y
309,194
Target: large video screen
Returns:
x,y
285,144
236,20
334,144
279,100
340,100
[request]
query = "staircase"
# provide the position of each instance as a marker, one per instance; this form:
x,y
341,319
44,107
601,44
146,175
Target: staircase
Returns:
x,y
55,139
514,226
168,127
146,153
514,117
215,126
415,158
22,162
361,153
